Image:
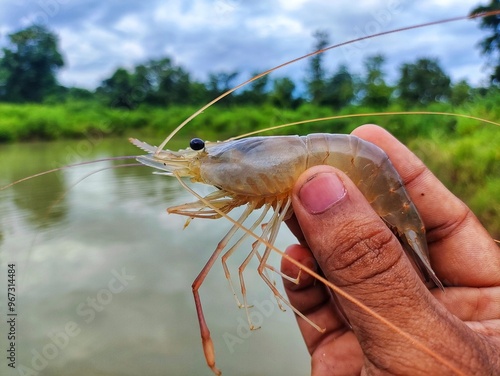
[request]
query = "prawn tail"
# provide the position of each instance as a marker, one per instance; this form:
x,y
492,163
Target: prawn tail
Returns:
x,y
416,247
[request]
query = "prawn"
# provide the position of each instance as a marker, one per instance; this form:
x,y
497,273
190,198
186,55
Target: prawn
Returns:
x,y
261,171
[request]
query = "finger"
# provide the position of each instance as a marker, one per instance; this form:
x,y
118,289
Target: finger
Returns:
x,y
315,301
294,227
462,252
312,299
471,304
358,253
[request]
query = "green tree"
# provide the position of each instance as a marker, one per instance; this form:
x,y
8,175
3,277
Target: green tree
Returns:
x,y
377,93
423,82
461,92
199,93
219,83
340,89
282,93
163,82
490,46
316,80
29,65
156,82
119,90
257,93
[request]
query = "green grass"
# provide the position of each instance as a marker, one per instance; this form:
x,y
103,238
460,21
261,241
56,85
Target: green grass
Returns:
x,y
76,119
469,165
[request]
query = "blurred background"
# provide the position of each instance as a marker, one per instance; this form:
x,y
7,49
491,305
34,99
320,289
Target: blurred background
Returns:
x,y
100,259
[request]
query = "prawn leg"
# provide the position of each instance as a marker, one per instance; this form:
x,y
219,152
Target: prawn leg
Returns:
x,y
274,224
244,264
218,200
206,339
255,246
295,280
208,346
228,254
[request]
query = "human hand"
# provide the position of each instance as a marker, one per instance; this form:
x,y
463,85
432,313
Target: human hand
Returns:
x,y
357,252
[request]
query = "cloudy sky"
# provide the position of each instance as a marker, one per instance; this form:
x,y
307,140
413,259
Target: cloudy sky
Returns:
x,y
205,36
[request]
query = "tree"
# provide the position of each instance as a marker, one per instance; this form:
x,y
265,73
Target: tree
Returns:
x,y
377,93
29,65
219,83
282,93
490,46
118,90
316,75
156,82
257,93
340,89
164,83
461,92
423,82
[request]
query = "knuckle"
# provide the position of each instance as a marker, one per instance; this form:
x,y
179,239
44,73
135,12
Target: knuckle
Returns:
x,y
363,254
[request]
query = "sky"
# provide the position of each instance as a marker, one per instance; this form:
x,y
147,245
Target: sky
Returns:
x,y
203,36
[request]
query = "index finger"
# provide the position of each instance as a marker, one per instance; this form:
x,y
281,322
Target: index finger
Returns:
x,y
461,250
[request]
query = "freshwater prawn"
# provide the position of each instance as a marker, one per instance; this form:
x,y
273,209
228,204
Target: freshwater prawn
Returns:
x,y
259,173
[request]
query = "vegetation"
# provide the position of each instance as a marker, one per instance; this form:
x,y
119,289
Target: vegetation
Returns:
x,y
490,46
27,69
157,95
75,119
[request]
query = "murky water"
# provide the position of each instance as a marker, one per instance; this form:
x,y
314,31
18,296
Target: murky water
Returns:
x,y
103,274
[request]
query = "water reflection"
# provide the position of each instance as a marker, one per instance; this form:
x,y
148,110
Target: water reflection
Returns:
x,y
32,199
104,279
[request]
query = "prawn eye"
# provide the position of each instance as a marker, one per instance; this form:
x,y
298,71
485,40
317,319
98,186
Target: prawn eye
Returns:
x,y
197,144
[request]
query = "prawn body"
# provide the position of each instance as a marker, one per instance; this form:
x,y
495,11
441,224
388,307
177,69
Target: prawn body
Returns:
x,y
263,170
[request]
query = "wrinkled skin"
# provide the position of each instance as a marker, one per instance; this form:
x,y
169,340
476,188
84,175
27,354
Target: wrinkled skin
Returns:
x,y
341,236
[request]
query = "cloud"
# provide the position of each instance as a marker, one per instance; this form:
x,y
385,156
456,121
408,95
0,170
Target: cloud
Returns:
x,y
206,36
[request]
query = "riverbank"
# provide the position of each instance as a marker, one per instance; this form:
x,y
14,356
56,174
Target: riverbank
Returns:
x,y
76,119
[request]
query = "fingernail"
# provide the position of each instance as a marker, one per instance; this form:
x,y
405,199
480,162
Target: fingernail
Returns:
x,y
321,192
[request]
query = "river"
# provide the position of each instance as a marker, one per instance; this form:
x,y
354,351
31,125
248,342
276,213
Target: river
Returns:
x,y
103,274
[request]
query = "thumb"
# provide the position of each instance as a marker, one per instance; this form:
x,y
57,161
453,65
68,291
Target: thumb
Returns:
x,y
354,247
358,253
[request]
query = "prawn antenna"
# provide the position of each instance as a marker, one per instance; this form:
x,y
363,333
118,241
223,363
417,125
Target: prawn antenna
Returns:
x,y
124,157
310,54
367,114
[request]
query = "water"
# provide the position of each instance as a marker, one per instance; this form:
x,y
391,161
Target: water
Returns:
x,y
103,274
